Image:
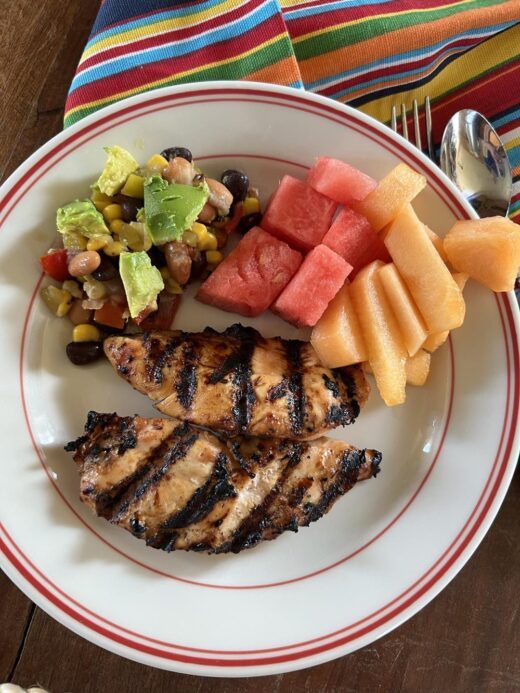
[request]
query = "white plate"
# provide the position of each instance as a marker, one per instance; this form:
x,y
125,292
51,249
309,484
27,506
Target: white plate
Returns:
x,y
384,550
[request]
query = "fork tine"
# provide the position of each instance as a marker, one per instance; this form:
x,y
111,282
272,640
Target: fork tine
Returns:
x,y
416,127
403,121
394,119
429,134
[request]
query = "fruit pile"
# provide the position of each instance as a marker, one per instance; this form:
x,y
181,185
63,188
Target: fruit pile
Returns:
x,y
377,285
393,315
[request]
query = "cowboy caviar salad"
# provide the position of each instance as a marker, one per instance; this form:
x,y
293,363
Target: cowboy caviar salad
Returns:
x,y
124,255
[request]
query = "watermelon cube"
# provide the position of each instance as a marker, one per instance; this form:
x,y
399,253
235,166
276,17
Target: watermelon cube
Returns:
x,y
352,237
251,277
339,181
297,214
305,298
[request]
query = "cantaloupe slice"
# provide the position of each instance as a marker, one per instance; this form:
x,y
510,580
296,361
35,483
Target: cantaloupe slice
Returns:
x,y
434,341
486,249
413,328
386,351
337,336
460,278
437,242
436,294
397,188
417,368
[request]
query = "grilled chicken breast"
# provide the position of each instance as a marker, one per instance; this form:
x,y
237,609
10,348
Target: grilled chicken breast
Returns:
x,y
238,382
178,487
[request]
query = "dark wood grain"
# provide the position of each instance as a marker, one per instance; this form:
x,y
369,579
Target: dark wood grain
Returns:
x,y
467,639
15,613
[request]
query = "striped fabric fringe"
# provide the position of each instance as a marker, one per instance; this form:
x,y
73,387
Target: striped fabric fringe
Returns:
x,y
368,53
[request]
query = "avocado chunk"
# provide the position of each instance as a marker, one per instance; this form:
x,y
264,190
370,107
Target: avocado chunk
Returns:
x,y
141,280
120,164
171,208
82,217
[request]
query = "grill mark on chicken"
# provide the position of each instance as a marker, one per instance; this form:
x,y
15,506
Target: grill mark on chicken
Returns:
x,y
278,391
350,463
238,382
187,383
191,492
216,488
244,394
296,402
249,533
158,355
345,376
203,500
166,456
332,385
238,367
116,437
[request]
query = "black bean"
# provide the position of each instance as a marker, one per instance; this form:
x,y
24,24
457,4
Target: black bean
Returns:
x,y
129,206
172,152
106,269
237,183
81,353
248,222
156,257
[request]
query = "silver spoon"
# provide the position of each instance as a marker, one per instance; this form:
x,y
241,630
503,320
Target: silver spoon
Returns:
x,y
474,158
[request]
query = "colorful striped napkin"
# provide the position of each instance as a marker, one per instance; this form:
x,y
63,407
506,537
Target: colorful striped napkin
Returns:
x,y
368,53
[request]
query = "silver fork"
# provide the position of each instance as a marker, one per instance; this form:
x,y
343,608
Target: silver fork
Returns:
x,y
416,125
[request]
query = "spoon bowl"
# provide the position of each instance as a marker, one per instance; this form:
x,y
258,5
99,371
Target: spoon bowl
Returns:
x,y
475,159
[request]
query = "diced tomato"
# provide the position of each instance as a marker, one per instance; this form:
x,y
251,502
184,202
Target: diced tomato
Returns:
x,y
55,264
162,318
110,314
234,220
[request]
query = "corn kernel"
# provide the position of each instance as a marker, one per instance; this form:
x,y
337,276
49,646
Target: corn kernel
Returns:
x,y
65,305
165,274
198,229
205,239
214,257
57,300
190,238
134,186
74,241
100,200
111,212
114,248
171,286
116,226
156,163
98,196
210,243
250,206
98,242
86,333
74,289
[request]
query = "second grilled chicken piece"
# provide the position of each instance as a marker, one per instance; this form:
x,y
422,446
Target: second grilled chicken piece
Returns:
x,y
177,487
238,382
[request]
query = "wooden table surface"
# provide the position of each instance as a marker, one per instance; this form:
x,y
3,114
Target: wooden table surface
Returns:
x,y
467,639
